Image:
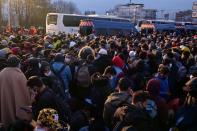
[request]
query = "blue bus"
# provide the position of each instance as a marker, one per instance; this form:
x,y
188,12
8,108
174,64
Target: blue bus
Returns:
x,y
155,25
103,27
190,26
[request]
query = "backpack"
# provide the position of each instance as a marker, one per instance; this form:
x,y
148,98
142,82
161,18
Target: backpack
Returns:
x,y
113,109
186,119
58,82
63,108
82,76
132,116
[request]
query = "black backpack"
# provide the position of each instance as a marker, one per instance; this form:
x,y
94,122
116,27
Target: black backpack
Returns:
x,y
134,117
63,108
82,76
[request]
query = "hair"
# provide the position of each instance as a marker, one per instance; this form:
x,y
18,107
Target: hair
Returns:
x,y
140,96
123,84
163,69
34,81
109,70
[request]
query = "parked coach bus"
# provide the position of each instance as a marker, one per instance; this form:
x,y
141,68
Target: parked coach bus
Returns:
x,y
69,23
103,27
148,26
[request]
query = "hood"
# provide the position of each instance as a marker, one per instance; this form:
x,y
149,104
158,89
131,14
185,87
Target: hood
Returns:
x,y
117,61
153,87
116,98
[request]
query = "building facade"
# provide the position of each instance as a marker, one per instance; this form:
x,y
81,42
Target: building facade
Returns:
x,y
133,12
184,16
149,14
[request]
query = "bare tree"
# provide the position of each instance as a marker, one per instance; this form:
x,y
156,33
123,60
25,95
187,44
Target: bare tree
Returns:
x,y
61,6
33,12
1,10
17,11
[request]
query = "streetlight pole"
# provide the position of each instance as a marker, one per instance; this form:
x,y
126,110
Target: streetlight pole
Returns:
x,y
9,14
135,11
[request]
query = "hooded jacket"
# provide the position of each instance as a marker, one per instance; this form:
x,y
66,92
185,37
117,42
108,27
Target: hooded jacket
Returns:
x,y
113,101
153,88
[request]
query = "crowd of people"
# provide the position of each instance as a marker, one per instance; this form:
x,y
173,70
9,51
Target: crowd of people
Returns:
x,y
140,82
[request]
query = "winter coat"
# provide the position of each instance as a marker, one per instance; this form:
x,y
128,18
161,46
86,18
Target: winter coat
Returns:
x,y
14,94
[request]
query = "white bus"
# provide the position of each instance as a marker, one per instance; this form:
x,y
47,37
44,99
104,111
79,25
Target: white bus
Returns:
x,y
69,23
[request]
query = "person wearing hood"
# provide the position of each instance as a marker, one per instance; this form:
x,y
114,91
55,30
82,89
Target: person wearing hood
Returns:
x,y
34,68
62,71
118,65
102,60
162,76
153,87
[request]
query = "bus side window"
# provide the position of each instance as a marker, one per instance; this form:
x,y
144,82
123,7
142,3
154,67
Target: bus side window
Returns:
x,y
52,19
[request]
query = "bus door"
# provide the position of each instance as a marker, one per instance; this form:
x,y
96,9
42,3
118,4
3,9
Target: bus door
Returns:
x,y
147,28
179,28
86,28
52,23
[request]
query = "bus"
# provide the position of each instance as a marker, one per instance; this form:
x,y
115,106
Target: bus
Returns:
x,y
190,26
155,25
105,27
69,23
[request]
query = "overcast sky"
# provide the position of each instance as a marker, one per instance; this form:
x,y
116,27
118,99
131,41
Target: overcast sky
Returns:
x,y
100,6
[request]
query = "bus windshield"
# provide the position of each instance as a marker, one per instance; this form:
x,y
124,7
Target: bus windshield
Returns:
x,y
52,19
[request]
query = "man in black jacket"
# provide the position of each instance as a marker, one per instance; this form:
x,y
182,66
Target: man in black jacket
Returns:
x,y
43,97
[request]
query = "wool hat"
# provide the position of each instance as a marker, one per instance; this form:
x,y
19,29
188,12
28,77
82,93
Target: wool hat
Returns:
x,y
4,42
132,54
153,87
72,44
117,61
13,61
15,50
102,51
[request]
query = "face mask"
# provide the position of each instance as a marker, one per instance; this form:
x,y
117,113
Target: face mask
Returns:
x,y
19,66
170,65
191,76
39,65
48,73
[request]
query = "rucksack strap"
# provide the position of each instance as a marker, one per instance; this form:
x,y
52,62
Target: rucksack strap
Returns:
x,y
60,71
124,101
